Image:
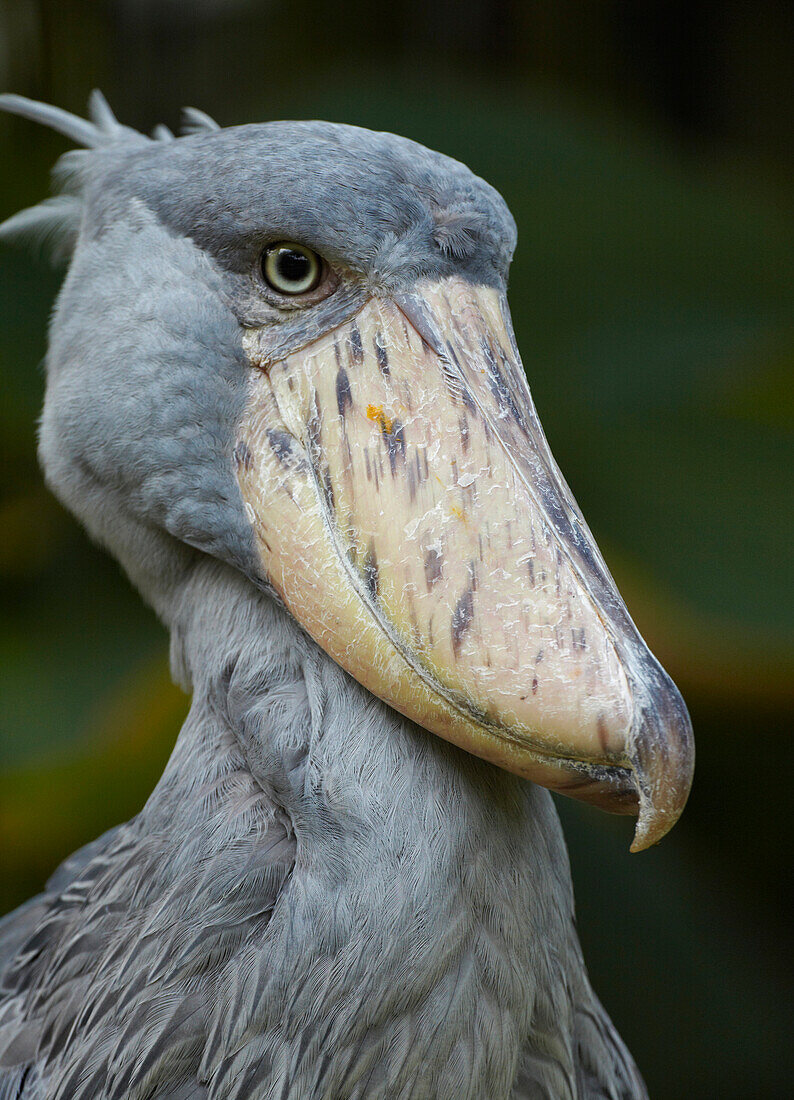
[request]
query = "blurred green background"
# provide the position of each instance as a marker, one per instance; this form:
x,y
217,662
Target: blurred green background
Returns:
x,y
646,151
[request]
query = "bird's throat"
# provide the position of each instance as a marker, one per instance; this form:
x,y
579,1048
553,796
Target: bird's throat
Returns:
x,y
426,884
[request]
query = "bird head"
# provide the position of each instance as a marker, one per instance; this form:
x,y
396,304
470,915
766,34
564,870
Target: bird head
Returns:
x,y
288,346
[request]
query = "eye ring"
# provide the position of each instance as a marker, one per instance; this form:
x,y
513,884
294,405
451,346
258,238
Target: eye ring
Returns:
x,y
290,268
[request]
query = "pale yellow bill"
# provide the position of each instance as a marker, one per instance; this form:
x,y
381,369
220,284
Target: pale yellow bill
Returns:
x,y
408,513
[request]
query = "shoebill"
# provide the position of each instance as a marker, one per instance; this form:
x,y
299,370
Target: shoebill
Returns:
x,y
283,390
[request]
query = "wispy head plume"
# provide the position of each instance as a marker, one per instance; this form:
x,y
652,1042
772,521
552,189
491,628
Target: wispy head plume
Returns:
x,y
55,223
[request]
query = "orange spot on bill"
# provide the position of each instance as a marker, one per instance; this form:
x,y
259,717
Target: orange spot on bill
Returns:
x,y
386,422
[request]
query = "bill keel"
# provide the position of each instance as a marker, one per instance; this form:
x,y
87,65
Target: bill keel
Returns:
x,y
410,515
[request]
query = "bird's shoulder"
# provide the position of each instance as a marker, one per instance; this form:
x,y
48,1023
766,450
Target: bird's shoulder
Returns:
x,y
28,937
578,1055
105,977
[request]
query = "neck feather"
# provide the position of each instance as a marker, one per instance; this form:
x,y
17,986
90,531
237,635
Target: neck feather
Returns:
x,y
426,885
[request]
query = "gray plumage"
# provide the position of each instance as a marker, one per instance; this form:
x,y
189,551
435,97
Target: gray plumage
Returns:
x,y
319,899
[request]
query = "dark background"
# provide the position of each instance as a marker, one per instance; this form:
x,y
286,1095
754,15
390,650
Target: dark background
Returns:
x,y
646,151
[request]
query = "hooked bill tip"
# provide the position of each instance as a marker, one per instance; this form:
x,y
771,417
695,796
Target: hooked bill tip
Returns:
x,y
662,754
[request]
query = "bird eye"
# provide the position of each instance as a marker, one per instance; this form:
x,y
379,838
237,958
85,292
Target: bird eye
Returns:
x,y
291,268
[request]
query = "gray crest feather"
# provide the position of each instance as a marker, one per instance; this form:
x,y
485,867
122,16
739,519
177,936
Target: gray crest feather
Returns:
x,y
103,128
195,121
77,129
101,114
162,133
55,223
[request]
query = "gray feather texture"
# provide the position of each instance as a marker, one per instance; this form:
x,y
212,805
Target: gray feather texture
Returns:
x,y
319,899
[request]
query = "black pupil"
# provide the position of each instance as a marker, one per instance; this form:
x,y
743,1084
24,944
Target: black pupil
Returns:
x,y
293,266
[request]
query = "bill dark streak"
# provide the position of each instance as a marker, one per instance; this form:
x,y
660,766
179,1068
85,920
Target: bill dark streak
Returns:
x,y
371,571
464,433
420,473
473,582
356,347
344,398
283,446
468,400
328,486
461,620
381,356
394,435
433,565
453,354
286,449
411,482
242,455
